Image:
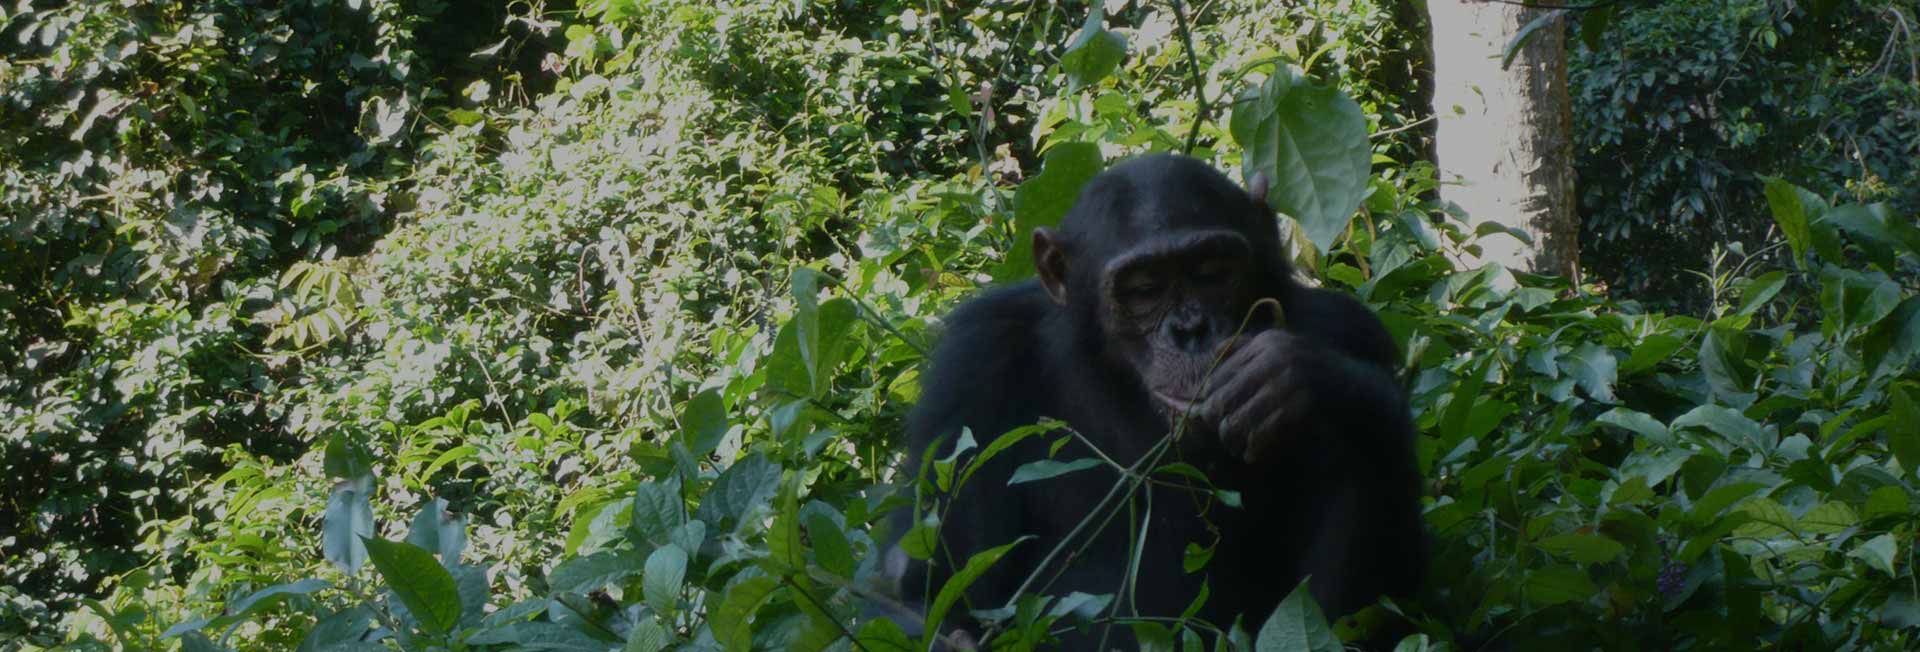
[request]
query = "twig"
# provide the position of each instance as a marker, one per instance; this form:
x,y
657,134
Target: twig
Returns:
x,y
1199,87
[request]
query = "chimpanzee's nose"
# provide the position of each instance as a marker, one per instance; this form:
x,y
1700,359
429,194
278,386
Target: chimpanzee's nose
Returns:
x,y
1186,328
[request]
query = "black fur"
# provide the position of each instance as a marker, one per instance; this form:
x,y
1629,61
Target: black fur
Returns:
x,y
1339,503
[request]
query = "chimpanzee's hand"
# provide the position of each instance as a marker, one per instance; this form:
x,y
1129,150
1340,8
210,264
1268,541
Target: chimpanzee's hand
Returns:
x,y
1261,395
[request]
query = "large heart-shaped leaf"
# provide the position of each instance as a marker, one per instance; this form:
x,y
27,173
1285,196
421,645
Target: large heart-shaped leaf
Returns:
x,y
1310,142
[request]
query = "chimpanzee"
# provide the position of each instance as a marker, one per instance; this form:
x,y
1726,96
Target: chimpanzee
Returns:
x,y
1129,334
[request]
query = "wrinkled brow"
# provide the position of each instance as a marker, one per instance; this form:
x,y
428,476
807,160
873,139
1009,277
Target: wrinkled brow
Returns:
x,y
1208,242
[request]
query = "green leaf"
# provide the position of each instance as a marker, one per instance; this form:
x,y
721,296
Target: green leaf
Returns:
x,y
1637,422
1887,501
657,510
338,632
704,422
1152,637
1855,300
1878,553
1900,611
1003,442
1044,469
421,583
666,571
348,520
1829,518
1460,404
1756,292
1558,585
1653,350
439,531
784,548
1414,643
1718,499
1790,212
1867,225
830,545
1594,23
1094,52
1723,358
732,620
246,608
883,634
1297,626
1593,367
1891,343
943,467
739,492
956,586
648,636
923,538
811,345
1080,604
1311,144
1044,199
1195,557
345,458
1583,548
1767,519
590,573
1903,431
1729,423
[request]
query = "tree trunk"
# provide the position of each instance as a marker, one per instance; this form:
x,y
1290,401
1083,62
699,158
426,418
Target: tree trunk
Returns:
x,y
1506,135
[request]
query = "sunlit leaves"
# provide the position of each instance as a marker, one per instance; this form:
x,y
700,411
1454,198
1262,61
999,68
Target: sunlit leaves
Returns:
x,y
1094,52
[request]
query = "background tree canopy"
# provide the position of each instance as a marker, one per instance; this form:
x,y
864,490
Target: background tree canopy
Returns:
x,y
372,324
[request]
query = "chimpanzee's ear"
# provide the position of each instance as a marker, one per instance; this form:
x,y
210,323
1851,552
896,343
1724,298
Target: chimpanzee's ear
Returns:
x,y
1257,188
1050,262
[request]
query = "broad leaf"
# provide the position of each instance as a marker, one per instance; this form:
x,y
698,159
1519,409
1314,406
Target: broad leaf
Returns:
x,y
439,531
657,510
666,571
703,422
426,588
1044,199
1310,142
732,620
349,519
956,585
1297,626
1044,469
1094,52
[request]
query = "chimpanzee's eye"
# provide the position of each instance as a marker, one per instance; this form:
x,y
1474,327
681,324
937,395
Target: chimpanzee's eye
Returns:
x,y
1212,273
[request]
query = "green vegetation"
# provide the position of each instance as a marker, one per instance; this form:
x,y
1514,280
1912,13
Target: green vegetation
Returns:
x,y
377,324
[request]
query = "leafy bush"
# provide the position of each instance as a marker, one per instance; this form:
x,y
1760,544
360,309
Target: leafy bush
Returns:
x,y
1686,106
607,346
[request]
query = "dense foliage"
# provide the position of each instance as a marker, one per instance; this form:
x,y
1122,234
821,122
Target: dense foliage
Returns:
x,y
356,324
1685,108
